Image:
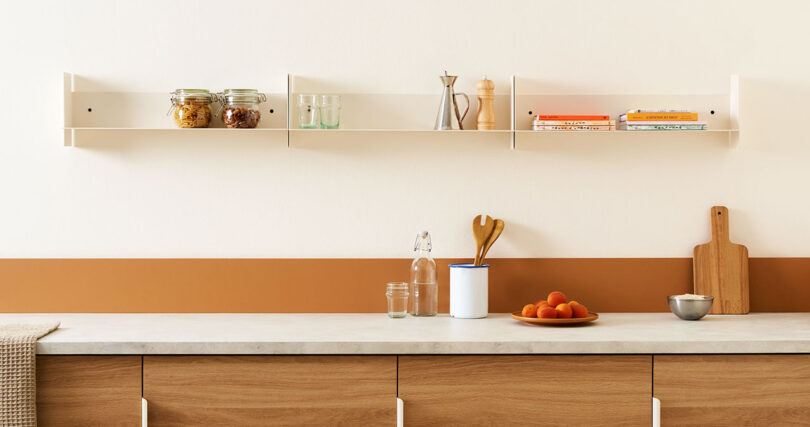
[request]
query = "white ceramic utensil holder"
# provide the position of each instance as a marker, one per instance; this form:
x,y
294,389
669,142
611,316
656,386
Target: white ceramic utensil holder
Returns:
x,y
469,291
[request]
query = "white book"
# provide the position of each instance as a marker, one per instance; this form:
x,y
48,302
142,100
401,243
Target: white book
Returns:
x,y
663,122
656,111
574,122
659,127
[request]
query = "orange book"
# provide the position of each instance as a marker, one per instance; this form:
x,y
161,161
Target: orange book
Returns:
x,y
570,117
653,117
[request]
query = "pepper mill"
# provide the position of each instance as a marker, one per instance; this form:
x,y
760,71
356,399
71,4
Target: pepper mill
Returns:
x,y
486,104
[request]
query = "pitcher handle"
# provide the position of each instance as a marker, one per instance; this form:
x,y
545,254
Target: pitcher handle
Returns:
x,y
461,119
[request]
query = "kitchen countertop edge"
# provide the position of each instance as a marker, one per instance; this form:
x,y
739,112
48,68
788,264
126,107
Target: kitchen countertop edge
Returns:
x,y
366,334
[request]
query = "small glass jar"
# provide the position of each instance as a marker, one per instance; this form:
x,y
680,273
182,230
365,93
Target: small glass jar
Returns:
x,y
191,108
240,108
308,112
397,294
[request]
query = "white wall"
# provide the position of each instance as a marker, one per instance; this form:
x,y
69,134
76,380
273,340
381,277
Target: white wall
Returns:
x,y
367,195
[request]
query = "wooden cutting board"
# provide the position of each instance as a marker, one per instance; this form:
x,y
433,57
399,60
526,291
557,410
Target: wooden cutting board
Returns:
x,y
721,268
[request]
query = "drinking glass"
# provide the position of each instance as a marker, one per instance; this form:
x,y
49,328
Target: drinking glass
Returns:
x,y
330,111
397,293
308,111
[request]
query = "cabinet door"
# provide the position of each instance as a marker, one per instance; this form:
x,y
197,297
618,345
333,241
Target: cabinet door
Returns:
x,y
89,390
526,390
270,390
733,390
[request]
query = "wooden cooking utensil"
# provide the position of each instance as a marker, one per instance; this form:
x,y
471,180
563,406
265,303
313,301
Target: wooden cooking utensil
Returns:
x,y
481,234
496,232
721,268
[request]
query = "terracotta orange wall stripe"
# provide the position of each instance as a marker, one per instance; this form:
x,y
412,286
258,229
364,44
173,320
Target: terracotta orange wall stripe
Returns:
x,y
357,285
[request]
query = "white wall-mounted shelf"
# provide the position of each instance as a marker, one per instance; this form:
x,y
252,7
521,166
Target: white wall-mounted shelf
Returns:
x,y
456,132
97,112
720,110
89,112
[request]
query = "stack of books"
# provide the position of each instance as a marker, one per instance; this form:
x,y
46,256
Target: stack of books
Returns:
x,y
573,122
660,120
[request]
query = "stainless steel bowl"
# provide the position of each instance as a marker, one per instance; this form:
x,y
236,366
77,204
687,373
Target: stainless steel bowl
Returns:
x,y
690,309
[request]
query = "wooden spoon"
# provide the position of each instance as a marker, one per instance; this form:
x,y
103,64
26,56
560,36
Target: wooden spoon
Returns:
x,y
481,234
496,232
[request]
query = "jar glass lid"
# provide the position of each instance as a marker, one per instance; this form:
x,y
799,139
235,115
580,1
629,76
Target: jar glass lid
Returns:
x,y
243,95
192,94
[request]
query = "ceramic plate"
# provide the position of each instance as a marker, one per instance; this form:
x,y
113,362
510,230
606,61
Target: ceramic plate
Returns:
x,y
590,318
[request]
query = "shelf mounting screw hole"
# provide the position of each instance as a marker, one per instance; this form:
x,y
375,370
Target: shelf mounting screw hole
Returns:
x,y
530,113
89,110
711,112
272,111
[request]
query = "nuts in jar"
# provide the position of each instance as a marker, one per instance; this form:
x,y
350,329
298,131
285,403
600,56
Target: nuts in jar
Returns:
x,y
191,108
240,107
240,117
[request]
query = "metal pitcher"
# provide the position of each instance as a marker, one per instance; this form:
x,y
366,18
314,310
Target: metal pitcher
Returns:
x,y
448,117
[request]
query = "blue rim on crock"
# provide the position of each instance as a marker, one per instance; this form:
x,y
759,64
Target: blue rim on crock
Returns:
x,y
468,265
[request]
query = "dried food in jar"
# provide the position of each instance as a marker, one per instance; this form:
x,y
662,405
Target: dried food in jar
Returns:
x,y
240,108
191,108
241,117
192,115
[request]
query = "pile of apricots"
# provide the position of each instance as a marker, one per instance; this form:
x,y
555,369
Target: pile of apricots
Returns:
x,y
556,306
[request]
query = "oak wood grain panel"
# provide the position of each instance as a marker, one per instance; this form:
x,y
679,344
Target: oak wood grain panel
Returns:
x,y
270,390
89,390
733,390
526,390
264,285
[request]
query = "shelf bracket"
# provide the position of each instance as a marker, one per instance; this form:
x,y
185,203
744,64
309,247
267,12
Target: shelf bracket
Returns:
x,y
289,103
513,117
67,88
734,110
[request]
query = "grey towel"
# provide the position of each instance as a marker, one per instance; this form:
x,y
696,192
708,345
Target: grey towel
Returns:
x,y
18,379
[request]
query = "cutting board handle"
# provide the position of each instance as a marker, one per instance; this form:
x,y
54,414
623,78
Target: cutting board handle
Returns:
x,y
720,224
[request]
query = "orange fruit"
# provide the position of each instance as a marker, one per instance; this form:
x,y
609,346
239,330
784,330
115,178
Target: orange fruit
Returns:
x,y
564,311
542,303
547,313
578,309
529,310
556,298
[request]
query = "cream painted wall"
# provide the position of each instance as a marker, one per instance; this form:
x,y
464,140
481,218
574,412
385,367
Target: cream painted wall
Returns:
x,y
367,195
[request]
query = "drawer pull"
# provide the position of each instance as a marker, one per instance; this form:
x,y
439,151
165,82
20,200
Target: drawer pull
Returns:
x,y
400,413
144,413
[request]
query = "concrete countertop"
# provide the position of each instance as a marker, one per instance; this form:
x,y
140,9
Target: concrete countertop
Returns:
x,y
612,333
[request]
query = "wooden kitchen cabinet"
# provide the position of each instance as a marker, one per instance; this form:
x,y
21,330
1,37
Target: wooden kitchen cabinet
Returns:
x,y
526,390
270,390
89,390
733,390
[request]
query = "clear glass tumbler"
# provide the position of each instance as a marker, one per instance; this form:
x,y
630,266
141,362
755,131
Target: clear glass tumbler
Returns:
x,y
330,111
308,117
397,294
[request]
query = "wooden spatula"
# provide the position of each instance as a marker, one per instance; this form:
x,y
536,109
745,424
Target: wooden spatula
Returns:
x,y
496,232
721,268
481,234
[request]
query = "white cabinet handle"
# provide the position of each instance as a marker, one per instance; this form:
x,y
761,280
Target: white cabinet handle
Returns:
x,y
144,413
400,413
656,412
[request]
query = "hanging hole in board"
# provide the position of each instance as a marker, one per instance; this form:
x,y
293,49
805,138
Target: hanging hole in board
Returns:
x,y
711,112
530,113
719,213
89,110
271,111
